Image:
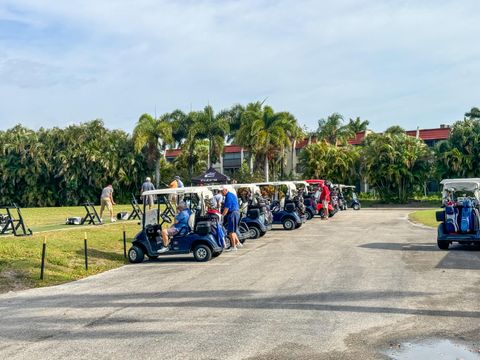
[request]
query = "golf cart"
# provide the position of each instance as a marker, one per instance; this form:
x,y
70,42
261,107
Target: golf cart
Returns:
x,y
304,191
253,210
460,218
316,184
283,208
197,237
350,197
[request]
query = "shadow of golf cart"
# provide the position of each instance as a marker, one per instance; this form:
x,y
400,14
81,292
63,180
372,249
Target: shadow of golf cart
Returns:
x,y
199,237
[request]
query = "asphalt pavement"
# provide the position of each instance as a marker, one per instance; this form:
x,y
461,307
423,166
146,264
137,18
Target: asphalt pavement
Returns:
x,y
348,288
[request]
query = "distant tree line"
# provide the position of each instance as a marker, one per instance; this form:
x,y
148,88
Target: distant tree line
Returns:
x,y
53,167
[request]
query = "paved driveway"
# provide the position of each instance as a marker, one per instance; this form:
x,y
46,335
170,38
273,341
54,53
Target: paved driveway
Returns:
x,y
346,288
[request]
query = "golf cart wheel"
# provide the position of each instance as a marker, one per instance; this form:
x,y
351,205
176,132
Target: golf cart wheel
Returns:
x,y
135,255
262,233
216,254
356,207
202,253
443,244
288,224
244,231
254,232
309,215
331,213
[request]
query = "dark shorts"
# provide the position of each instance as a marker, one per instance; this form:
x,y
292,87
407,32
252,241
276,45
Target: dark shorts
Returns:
x,y
233,220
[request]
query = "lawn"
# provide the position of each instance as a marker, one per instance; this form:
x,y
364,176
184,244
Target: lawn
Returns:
x,y
425,217
20,257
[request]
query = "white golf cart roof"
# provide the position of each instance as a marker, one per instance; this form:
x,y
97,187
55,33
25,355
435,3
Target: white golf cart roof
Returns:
x,y
229,187
199,190
471,184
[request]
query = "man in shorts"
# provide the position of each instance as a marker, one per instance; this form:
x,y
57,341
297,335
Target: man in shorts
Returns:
x,y
147,186
106,200
325,198
231,213
181,221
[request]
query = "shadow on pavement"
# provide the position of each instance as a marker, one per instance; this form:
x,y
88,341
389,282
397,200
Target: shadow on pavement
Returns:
x,y
402,246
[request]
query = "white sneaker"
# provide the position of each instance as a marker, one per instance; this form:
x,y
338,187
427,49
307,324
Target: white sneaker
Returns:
x,y
228,249
113,220
162,250
240,244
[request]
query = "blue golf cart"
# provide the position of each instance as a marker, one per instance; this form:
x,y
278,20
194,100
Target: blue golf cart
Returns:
x,y
284,209
253,210
197,238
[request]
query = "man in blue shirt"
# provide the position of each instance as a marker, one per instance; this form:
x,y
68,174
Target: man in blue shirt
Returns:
x,y
232,216
181,221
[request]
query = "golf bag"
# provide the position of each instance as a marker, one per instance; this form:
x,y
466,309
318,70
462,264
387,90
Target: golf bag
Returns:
x,y
466,217
451,215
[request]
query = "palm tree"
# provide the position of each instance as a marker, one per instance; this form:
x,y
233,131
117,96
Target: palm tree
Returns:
x,y
265,132
333,131
358,125
153,135
214,129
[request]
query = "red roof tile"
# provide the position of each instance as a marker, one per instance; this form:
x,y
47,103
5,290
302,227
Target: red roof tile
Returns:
x,y
232,149
173,152
357,140
431,134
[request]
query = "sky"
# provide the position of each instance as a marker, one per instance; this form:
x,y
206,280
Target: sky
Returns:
x,y
411,63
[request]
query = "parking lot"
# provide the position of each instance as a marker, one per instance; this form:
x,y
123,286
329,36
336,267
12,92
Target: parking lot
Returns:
x,y
349,288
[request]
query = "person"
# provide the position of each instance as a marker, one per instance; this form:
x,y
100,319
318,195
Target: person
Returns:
x,y
147,186
179,182
325,199
181,221
217,200
106,200
173,185
231,213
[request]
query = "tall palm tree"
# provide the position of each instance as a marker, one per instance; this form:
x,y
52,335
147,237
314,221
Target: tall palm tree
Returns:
x,y
153,135
265,132
214,129
333,131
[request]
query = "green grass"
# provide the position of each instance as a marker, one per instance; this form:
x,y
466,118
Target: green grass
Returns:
x,y
20,257
425,217
52,218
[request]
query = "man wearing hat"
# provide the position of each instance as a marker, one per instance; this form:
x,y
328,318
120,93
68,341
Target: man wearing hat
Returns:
x,y
147,186
181,221
231,213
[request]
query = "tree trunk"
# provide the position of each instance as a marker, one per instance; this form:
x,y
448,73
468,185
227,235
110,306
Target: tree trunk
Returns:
x,y
209,165
266,168
250,162
157,174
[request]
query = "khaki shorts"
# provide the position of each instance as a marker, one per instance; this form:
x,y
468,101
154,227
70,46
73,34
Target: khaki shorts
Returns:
x,y
106,202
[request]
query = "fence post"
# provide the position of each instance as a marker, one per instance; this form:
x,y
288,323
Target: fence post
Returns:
x,y
86,251
44,250
124,242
